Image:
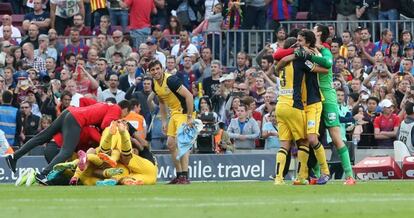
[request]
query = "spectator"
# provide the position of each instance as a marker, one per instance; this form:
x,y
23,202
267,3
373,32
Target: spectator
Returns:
x,y
366,121
393,59
346,11
254,15
335,49
241,66
346,41
211,85
260,89
91,61
162,42
270,133
30,122
274,15
366,47
384,43
7,35
32,36
171,65
389,11
44,51
33,98
142,97
86,84
10,117
153,49
112,91
378,73
280,39
405,132
386,125
79,24
75,45
98,9
8,82
72,87
62,14
173,29
184,47
50,65
268,106
214,23
242,130
367,10
406,40
7,21
31,60
186,75
139,18
128,79
104,27
118,46
118,14
203,66
55,43
38,17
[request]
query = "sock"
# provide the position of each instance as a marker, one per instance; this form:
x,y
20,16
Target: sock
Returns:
x,y
184,174
126,146
115,155
303,156
106,141
94,159
316,170
179,174
280,162
346,162
321,157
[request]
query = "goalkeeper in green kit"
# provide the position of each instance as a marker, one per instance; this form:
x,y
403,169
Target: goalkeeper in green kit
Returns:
x,y
330,110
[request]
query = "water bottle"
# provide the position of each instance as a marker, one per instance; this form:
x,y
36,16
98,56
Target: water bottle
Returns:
x,y
355,139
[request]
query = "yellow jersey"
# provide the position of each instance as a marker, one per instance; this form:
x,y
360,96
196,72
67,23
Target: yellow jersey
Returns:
x,y
292,86
167,93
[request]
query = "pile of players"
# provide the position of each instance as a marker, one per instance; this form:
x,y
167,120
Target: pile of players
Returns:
x,y
114,161
306,101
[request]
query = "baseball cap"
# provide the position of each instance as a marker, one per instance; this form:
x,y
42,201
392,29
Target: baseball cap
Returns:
x,y
151,41
225,77
409,108
386,103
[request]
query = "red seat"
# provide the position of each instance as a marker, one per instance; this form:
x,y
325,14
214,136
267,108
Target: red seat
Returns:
x,y
17,19
303,15
6,8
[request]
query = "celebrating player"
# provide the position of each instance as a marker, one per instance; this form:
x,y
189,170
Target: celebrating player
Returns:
x,y
172,94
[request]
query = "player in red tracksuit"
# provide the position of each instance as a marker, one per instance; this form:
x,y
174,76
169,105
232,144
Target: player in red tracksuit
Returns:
x,y
70,124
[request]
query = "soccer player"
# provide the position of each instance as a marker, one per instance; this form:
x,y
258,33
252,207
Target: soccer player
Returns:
x,y
290,113
173,95
69,123
330,111
313,107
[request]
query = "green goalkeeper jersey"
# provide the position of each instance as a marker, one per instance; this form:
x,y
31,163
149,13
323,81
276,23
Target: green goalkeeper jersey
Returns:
x,y
325,80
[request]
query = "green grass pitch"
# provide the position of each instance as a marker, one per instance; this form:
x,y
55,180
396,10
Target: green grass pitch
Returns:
x,y
214,199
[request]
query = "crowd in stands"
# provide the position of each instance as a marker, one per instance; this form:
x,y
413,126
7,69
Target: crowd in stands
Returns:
x,y
64,50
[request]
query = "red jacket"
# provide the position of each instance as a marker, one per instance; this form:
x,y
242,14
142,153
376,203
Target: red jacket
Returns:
x,y
99,114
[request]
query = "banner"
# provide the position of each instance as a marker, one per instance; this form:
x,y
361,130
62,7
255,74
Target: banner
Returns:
x,y
202,167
